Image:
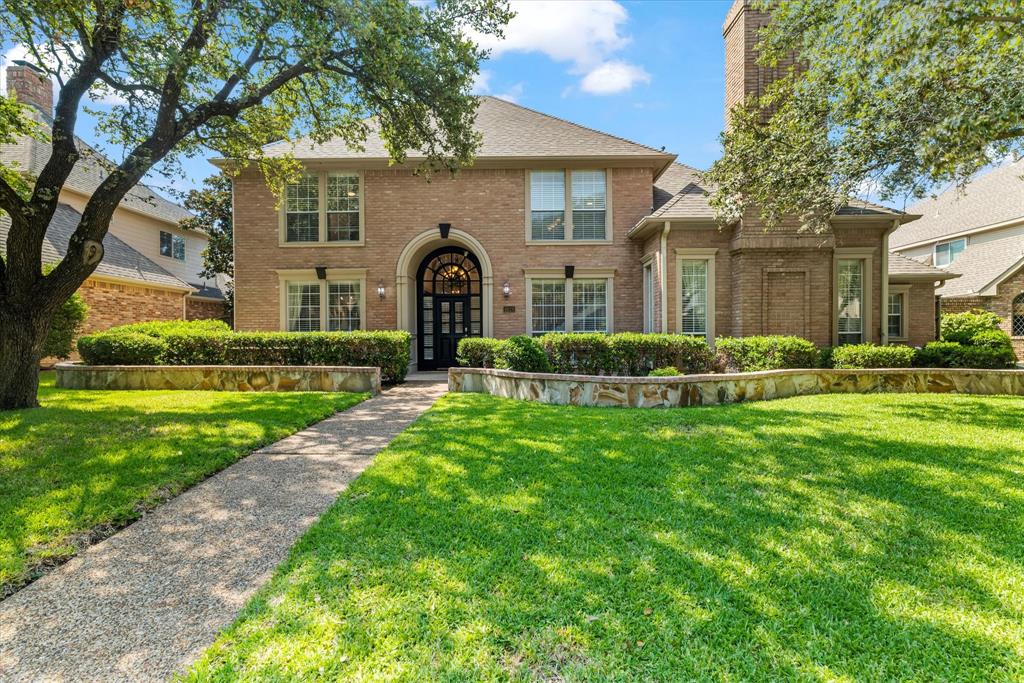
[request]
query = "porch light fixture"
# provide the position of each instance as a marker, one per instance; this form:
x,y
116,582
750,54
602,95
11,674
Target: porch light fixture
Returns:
x,y
445,228
569,272
380,289
321,272
506,289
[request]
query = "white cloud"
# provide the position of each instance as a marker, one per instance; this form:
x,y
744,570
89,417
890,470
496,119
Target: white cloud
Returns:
x,y
584,34
511,94
482,86
613,77
482,83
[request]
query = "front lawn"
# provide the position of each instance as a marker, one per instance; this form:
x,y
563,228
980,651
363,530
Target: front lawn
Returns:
x,y
817,538
88,462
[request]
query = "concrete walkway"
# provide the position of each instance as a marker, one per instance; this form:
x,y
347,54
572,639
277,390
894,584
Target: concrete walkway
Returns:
x,y
144,603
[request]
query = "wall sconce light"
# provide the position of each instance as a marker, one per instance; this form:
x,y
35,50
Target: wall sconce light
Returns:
x,y
569,272
321,272
506,289
445,228
380,289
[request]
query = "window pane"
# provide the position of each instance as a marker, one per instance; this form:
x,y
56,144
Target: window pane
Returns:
x,y
590,305
302,210
343,306
178,246
165,244
948,252
896,315
548,306
589,199
303,306
851,295
547,205
1018,316
342,207
694,278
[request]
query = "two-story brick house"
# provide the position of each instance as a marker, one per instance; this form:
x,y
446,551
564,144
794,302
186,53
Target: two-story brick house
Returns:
x,y
557,227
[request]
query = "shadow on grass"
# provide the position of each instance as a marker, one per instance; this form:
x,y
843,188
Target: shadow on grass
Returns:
x,y
863,537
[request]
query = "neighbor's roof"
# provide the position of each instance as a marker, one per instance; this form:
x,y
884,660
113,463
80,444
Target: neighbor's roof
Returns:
x,y
990,199
911,269
507,131
119,260
983,265
207,292
31,156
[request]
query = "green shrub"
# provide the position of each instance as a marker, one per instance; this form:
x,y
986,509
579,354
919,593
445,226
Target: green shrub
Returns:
x,y
522,354
192,348
991,355
752,354
477,352
579,353
996,340
637,354
962,327
938,354
664,372
125,348
983,357
825,356
159,328
860,356
66,323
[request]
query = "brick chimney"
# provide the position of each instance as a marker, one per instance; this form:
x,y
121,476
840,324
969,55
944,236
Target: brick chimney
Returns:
x,y
743,75
30,85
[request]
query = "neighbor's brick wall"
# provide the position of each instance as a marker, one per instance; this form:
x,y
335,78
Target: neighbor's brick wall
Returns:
x,y
200,309
112,304
488,204
1001,304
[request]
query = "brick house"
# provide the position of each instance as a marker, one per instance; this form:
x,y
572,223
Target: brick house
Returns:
x,y
558,227
150,269
977,234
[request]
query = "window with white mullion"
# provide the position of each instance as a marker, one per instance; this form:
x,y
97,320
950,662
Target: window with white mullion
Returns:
x,y
547,205
547,306
342,207
896,315
694,292
851,301
589,205
303,306
343,306
590,305
947,252
302,209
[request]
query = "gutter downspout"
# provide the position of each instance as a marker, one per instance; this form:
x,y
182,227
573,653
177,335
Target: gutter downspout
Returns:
x,y
884,305
664,276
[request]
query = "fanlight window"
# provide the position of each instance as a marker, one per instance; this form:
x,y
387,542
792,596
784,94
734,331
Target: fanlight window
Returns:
x,y
452,273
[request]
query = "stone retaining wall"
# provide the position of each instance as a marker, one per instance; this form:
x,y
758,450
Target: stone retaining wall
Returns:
x,y
220,377
692,390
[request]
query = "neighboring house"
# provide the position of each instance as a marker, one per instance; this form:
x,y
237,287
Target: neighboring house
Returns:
x,y
151,266
558,227
978,234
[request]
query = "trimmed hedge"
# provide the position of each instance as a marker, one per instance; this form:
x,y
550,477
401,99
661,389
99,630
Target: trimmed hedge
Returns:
x,y
963,327
753,354
664,372
522,354
955,355
861,356
211,342
477,352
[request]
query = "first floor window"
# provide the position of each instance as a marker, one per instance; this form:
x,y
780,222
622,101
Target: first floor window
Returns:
x,y
343,306
172,246
947,252
303,306
648,298
1018,316
694,293
590,305
851,301
896,315
577,305
548,306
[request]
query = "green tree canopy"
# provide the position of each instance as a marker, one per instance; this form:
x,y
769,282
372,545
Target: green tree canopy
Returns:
x,y
894,96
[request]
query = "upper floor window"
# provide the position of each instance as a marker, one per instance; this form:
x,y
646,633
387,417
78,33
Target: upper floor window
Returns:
x,y
172,246
568,205
1017,315
323,207
947,252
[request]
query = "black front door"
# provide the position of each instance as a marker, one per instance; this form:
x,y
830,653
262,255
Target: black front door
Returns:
x,y
448,302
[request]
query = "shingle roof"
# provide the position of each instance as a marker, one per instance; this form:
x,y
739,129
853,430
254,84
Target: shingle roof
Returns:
x,y
31,156
903,266
119,259
992,198
207,292
862,207
981,264
507,130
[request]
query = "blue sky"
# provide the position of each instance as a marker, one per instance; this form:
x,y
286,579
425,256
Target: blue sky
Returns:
x,y
647,70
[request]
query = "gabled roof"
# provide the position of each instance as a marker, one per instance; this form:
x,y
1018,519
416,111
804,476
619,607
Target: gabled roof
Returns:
x,y
507,131
908,269
984,265
991,199
31,156
862,207
120,261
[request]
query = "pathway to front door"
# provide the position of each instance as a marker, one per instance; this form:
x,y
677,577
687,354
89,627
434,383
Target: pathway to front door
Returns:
x,y
145,602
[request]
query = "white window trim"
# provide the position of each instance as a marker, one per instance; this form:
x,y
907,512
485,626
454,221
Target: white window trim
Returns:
x,y
608,222
903,290
647,298
307,275
935,250
708,255
174,236
282,232
579,274
854,254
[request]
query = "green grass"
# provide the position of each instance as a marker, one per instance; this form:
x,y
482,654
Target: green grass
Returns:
x,y
86,463
845,538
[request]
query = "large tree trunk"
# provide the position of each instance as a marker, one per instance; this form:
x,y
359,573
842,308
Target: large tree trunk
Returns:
x,y
22,335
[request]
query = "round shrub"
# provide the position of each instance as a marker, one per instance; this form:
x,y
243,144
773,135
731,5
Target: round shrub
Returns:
x,y
477,352
192,348
66,323
987,358
861,356
938,354
122,348
664,372
776,352
997,340
522,354
962,327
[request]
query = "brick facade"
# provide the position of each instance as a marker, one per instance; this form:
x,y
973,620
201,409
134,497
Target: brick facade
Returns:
x,y
203,309
114,303
30,87
1001,304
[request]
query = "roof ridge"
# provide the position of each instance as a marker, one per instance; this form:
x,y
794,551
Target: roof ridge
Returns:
x,y
573,123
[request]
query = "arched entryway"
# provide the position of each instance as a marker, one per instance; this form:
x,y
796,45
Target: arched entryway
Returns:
x,y
449,304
